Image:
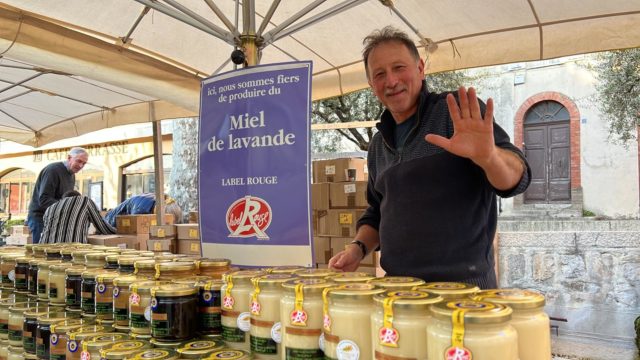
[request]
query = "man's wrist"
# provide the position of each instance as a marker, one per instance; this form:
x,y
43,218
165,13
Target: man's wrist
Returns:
x,y
361,246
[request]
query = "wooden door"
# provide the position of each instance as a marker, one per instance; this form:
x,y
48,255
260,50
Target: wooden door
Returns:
x,y
547,148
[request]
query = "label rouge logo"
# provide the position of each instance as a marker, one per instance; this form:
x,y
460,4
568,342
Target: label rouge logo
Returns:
x,y
249,216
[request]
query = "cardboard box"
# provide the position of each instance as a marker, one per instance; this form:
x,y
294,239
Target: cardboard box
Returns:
x,y
18,240
20,230
322,249
188,231
193,217
162,245
189,247
139,224
338,244
320,196
319,221
348,195
340,223
162,231
121,241
337,170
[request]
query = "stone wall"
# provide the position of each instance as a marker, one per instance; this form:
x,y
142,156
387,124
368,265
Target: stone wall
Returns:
x,y
183,181
591,278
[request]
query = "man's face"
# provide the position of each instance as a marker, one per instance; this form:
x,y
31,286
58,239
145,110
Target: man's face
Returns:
x,y
395,78
76,163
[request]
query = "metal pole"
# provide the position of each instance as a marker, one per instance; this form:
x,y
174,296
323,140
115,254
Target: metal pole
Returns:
x,y
248,37
159,167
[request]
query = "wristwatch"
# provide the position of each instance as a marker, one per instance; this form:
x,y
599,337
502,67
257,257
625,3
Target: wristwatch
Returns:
x,y
362,247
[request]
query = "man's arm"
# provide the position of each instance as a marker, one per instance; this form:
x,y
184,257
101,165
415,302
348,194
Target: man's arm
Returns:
x,y
47,192
349,258
102,226
504,169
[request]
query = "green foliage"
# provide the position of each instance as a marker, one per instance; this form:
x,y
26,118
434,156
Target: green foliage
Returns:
x,y
364,106
618,89
587,213
13,222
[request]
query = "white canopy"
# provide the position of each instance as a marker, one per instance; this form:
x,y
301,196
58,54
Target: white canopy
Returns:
x,y
69,67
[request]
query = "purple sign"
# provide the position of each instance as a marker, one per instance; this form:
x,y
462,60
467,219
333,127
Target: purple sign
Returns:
x,y
254,165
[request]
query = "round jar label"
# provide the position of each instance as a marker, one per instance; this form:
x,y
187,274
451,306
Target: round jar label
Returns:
x,y
321,342
347,350
276,332
457,353
116,291
134,299
154,303
85,355
72,346
12,275
207,296
244,321
101,288
54,339
147,313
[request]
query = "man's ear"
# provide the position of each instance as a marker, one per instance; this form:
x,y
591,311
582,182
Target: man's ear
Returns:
x,y
421,66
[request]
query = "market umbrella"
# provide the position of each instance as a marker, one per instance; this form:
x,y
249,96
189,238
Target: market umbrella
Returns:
x,y
69,67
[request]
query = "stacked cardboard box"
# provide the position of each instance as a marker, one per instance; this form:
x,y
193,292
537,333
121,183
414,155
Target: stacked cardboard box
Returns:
x,y
162,238
140,225
188,239
19,235
338,200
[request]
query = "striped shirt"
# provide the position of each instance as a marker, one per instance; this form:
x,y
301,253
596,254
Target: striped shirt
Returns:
x,y
68,221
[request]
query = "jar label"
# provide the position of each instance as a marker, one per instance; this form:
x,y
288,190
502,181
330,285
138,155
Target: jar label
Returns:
x,y
147,313
304,354
299,318
138,321
72,346
232,334
244,321
85,355
348,350
321,342
28,343
54,339
227,302
12,275
134,299
101,288
53,292
388,337
121,314
263,345
116,291
255,308
276,332
326,322
104,308
457,353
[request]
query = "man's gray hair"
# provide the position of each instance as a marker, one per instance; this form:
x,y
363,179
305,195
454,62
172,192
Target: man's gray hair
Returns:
x,y
385,35
75,151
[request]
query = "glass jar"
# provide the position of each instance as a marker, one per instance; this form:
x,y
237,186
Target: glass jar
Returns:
x,y
230,354
5,305
146,268
235,317
214,268
352,277
78,256
52,252
156,354
313,273
121,299
43,278
95,260
301,317
29,326
166,344
168,271
287,269
88,298
472,329
199,349
59,338
8,269
125,263
91,346
397,283
173,312
208,319
73,287
4,349
449,290
37,251
399,323
123,349
347,312
43,333
528,318
21,273
57,283
16,320
77,336
104,295
112,261
15,353
66,253
264,333
32,279
140,306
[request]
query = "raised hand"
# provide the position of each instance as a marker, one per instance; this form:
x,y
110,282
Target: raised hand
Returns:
x,y
472,133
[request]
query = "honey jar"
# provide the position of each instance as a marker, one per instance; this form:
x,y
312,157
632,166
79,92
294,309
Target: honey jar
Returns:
x,y
199,349
214,268
449,290
397,282
235,307
173,312
121,299
209,310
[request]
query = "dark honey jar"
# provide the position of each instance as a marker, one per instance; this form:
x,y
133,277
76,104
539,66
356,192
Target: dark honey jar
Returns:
x,y
174,311
29,329
208,304
32,279
43,333
73,287
21,273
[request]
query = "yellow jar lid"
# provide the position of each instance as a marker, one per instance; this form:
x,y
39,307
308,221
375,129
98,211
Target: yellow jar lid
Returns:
x,y
62,267
24,260
202,282
145,286
408,299
19,308
107,278
63,329
354,290
212,263
312,285
93,256
474,312
156,354
125,280
34,313
397,282
128,259
120,349
176,266
515,298
283,269
53,318
200,348
36,261
314,273
166,344
87,331
11,257
145,264
44,265
112,258
346,277
449,289
241,275
93,273
99,341
229,354
273,280
75,270
175,290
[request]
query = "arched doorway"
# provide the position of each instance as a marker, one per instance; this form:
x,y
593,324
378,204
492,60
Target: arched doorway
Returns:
x,y
547,146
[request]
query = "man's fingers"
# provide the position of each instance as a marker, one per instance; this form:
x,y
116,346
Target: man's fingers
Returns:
x,y
474,106
454,110
438,140
464,103
488,114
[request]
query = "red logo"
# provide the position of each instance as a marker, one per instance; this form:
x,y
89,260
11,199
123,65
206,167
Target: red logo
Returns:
x,y
227,302
388,337
255,308
249,216
457,353
299,318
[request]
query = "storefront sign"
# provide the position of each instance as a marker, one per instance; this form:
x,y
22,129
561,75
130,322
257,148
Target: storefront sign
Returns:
x,y
254,165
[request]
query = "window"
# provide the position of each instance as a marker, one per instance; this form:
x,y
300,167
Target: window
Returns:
x,y
139,177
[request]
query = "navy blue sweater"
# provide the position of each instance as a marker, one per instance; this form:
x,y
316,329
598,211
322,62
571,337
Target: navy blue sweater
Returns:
x,y
52,182
435,212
